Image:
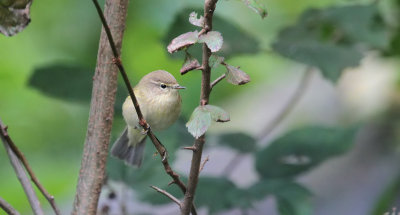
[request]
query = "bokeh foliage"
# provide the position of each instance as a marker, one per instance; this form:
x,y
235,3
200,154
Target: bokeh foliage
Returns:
x,y
46,78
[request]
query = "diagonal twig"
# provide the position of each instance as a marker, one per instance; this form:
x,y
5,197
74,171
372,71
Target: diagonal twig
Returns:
x,y
7,207
24,161
204,163
22,177
169,195
216,81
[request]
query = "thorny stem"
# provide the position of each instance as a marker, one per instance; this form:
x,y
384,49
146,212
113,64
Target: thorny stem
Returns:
x,y
21,157
157,144
209,7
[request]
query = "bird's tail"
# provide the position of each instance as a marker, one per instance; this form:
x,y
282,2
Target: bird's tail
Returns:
x,y
126,150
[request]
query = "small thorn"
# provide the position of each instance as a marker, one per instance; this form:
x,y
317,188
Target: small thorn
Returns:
x,y
172,182
192,148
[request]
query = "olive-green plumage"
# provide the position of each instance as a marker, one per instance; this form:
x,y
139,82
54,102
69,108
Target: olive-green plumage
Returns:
x,y
160,102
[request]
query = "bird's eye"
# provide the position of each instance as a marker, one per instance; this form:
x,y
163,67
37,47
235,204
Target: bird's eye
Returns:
x,y
163,86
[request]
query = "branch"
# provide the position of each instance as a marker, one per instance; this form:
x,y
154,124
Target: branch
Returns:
x,y
21,157
216,81
204,163
92,172
299,92
7,207
157,144
209,7
19,171
169,195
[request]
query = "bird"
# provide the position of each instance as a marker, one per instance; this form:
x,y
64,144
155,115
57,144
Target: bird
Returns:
x,y
160,103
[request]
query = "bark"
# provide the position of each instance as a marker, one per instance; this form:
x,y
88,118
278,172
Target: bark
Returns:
x,y
92,173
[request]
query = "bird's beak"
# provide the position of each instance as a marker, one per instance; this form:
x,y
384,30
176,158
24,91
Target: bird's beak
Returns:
x,y
179,87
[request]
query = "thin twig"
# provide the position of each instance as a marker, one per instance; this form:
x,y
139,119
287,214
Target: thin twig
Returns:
x,y
21,175
216,81
209,8
169,195
32,175
204,163
7,207
157,144
299,92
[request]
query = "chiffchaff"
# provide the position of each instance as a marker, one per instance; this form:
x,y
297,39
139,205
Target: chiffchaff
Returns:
x,y
160,102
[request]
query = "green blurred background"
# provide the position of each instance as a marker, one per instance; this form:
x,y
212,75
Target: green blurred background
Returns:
x,y
351,123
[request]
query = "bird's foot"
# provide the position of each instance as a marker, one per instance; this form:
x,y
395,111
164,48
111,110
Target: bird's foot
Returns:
x,y
145,126
165,156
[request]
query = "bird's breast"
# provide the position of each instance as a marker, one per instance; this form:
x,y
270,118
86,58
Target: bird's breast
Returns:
x,y
162,110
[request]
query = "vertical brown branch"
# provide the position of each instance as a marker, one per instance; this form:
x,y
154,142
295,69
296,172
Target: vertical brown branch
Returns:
x,y
209,7
92,173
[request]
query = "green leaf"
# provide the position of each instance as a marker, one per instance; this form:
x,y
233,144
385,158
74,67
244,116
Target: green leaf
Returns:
x,y
213,39
236,76
257,7
201,118
190,63
217,113
68,82
302,149
215,60
241,142
14,16
214,193
71,83
196,21
292,198
236,40
333,39
183,41
388,197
